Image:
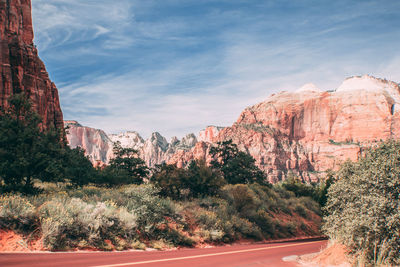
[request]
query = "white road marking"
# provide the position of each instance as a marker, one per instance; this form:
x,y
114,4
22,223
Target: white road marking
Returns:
x,y
204,255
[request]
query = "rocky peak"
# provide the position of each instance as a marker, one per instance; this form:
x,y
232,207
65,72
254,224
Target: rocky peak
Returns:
x,y
72,123
368,83
189,140
174,141
309,87
157,140
209,134
98,145
16,21
129,139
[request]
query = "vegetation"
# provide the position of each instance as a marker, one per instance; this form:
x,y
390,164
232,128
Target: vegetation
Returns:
x,y
318,192
236,166
135,216
363,206
125,168
195,181
53,191
26,152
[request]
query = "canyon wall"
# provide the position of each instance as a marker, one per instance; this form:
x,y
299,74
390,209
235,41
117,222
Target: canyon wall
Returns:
x,y
308,131
305,132
21,68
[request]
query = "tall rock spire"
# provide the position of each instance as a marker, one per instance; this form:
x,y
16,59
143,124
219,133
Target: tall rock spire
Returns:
x,y
21,68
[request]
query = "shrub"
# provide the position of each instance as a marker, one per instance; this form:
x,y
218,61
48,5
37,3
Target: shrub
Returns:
x,y
363,207
299,209
17,213
150,209
68,223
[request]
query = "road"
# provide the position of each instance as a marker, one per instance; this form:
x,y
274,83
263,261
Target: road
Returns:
x,y
235,255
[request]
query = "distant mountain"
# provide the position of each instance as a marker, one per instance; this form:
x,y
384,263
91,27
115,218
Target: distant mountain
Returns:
x,y
306,132
310,131
98,145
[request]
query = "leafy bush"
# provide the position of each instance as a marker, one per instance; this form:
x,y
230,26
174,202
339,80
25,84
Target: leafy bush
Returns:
x,y
363,207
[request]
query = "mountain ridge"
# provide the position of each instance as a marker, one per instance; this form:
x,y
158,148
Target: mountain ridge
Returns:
x,y
305,132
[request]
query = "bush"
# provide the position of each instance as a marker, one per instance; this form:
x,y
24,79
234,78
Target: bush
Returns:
x,y
363,207
68,223
17,213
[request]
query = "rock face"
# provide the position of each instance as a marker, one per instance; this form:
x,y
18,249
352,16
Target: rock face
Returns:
x,y
95,142
308,131
98,145
209,134
21,68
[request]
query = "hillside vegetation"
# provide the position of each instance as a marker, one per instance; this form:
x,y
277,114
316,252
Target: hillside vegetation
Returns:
x,y
363,207
135,216
52,192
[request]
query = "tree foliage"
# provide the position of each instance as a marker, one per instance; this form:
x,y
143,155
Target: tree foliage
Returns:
x,y
363,207
125,168
78,169
27,152
237,166
317,191
195,181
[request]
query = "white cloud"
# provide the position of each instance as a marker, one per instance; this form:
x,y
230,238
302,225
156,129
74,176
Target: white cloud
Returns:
x,y
176,91
68,21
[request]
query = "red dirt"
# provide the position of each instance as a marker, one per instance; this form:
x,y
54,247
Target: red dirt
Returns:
x,y
11,241
334,255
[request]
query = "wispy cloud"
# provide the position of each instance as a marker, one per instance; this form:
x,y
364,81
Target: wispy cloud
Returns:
x,y
177,66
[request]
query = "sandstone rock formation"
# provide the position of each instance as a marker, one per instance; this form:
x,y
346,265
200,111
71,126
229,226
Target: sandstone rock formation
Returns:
x,y
21,68
98,145
209,134
308,131
95,142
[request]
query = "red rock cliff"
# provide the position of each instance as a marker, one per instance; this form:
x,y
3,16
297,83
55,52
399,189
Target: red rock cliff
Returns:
x,y
308,131
21,68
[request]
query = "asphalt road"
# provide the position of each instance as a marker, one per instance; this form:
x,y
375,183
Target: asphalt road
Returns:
x,y
235,255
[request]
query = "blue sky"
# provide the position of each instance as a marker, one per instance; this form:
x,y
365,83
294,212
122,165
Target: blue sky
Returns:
x,y
176,66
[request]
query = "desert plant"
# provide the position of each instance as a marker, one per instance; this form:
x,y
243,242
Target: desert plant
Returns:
x,y
17,213
68,223
363,207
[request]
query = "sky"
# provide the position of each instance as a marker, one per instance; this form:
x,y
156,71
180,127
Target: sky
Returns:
x,y
177,66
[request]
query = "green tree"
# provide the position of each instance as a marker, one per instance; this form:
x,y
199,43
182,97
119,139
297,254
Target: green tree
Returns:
x,y
78,168
237,167
363,207
201,180
27,152
126,160
170,179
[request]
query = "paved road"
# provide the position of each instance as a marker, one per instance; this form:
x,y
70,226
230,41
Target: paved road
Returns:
x,y
236,255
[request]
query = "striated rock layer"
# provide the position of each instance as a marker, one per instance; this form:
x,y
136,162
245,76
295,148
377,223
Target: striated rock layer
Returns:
x,y
308,131
21,68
